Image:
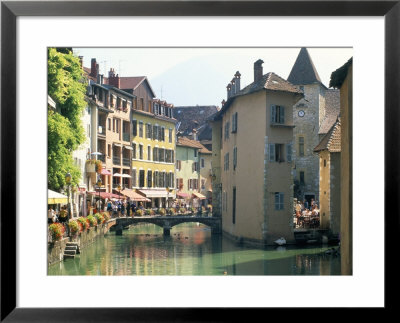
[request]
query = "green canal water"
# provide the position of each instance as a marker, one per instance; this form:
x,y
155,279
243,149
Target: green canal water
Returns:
x,y
191,250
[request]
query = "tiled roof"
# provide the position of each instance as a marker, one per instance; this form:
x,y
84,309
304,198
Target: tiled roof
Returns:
x,y
193,117
269,81
331,141
338,76
332,110
303,70
183,141
132,82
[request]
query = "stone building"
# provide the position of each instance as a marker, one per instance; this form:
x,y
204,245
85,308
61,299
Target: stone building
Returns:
x,y
329,179
253,139
313,116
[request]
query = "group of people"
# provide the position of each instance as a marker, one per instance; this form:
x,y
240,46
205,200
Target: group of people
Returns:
x,y
307,214
122,208
54,216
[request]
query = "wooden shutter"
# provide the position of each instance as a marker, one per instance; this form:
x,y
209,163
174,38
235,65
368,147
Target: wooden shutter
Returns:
x,y
271,152
154,132
134,127
289,153
281,114
273,113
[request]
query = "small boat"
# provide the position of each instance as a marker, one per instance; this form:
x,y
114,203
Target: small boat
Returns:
x,y
281,241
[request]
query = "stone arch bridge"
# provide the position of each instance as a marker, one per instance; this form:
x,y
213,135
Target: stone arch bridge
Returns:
x,y
167,222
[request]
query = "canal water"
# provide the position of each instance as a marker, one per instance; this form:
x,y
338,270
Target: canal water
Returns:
x,y
192,250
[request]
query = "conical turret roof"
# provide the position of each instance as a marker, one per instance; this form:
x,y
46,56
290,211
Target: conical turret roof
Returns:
x,y
304,71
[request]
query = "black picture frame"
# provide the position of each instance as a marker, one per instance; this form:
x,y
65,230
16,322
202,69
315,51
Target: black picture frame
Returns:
x,y
10,10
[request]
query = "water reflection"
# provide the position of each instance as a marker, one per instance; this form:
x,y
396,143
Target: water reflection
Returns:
x,y
191,250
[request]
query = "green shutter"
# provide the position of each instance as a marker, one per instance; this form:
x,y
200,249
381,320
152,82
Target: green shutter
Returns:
x,y
281,114
271,152
273,114
289,153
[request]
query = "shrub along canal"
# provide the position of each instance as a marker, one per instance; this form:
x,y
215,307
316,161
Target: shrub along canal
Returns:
x,y
192,250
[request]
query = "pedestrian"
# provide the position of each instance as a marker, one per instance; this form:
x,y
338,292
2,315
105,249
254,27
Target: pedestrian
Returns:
x,y
305,204
133,208
109,207
122,209
50,215
128,208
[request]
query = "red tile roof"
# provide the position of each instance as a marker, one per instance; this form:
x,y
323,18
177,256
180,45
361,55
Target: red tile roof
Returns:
x,y
332,140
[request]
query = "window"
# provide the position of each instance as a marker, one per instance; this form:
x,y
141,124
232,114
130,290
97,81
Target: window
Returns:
x,y
134,127
113,125
178,165
278,201
234,205
324,162
277,114
141,178
161,155
168,156
142,104
135,104
276,153
141,129
195,153
109,150
134,181
149,178
155,182
148,153
155,132
301,174
156,108
234,158
133,151
109,123
195,167
203,184
140,151
226,131
149,106
155,154
202,162
226,162
149,129
234,122
170,135
301,146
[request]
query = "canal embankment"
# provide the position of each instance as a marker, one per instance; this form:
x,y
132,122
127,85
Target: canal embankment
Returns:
x,y
56,250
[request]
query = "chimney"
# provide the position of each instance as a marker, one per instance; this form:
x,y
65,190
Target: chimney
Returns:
x,y
237,81
233,87
113,79
81,61
93,68
228,90
222,103
258,70
195,134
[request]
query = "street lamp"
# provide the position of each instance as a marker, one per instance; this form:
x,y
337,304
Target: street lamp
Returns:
x,y
68,179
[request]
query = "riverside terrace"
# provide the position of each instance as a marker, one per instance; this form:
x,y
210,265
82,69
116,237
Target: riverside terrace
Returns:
x,y
167,222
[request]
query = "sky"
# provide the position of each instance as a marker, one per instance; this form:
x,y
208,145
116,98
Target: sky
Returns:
x,y
199,76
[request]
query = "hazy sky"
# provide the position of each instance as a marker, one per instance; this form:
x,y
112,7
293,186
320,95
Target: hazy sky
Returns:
x,y
199,76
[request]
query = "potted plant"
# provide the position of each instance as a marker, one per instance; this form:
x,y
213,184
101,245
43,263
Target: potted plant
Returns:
x,y
161,211
99,218
73,227
92,221
57,231
139,212
171,212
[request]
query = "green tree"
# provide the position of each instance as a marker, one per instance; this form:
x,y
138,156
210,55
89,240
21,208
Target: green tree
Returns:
x,y
66,85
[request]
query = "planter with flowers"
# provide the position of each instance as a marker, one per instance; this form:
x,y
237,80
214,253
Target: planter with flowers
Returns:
x,y
139,213
83,223
57,231
100,218
73,227
161,211
92,221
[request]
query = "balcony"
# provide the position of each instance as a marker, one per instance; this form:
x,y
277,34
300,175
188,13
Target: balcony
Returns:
x,y
126,136
126,161
116,160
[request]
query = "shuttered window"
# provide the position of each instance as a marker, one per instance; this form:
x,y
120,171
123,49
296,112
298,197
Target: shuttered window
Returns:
x,y
134,128
234,158
277,114
278,201
149,178
271,152
289,153
134,180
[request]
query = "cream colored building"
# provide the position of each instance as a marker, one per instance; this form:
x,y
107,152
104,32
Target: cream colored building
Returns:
x,y
255,127
329,179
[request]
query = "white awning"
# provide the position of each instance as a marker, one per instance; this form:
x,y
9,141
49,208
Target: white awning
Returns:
x,y
128,147
156,193
118,145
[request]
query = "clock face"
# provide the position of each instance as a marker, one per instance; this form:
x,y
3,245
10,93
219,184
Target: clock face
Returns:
x,y
301,113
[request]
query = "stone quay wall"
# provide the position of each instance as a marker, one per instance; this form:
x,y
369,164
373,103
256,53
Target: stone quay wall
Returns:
x,y
55,250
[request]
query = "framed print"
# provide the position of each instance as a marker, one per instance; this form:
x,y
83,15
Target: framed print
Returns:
x,y
371,28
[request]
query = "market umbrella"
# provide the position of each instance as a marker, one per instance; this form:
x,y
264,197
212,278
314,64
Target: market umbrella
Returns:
x,y
56,198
